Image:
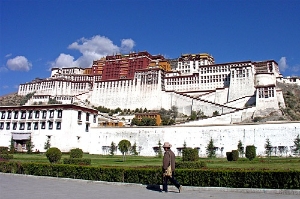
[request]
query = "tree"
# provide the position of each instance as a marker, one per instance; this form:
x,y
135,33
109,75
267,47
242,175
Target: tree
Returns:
x,y
29,145
193,115
47,144
12,145
124,146
216,113
268,147
296,148
240,148
159,152
135,121
146,121
112,149
211,149
53,154
133,149
250,152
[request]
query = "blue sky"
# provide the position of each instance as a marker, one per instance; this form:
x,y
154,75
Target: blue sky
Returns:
x,y
36,35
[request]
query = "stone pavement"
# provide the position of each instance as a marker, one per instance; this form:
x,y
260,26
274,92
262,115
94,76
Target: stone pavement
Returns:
x,y
14,186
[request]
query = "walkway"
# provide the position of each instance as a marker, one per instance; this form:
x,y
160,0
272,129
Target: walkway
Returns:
x,y
14,186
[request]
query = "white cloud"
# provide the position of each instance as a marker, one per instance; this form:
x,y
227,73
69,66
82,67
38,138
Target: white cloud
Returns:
x,y
91,49
282,64
19,63
8,55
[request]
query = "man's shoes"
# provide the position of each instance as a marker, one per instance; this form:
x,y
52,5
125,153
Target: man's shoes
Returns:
x,y
180,188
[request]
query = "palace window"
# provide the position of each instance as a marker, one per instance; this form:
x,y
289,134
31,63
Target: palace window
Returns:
x,y
22,126
14,126
51,113
58,125
87,118
3,115
87,127
28,125
23,115
59,113
79,115
16,115
7,125
44,114
43,125
30,115
50,125
9,115
36,126
1,125
37,114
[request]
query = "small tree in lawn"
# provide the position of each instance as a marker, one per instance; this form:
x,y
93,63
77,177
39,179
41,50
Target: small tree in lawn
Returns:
x,y
211,149
268,147
240,148
12,145
133,149
53,154
296,148
250,152
112,149
124,147
29,145
159,153
47,144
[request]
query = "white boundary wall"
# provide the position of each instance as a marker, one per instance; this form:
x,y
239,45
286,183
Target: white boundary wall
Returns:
x,y
226,136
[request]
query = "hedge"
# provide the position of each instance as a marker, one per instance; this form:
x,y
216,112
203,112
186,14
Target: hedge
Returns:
x,y
189,177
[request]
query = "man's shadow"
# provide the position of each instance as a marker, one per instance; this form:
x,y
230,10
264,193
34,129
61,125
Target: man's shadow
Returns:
x,y
155,187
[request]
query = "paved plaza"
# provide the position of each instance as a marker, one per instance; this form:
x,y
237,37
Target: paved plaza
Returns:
x,y
14,186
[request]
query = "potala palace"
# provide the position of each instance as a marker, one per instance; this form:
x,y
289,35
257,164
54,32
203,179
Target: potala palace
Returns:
x,y
237,91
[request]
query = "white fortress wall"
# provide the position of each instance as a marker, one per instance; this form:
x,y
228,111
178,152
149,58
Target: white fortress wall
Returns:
x,y
240,103
197,136
221,96
241,81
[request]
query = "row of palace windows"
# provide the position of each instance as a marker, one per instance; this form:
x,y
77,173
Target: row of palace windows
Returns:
x,y
30,114
29,125
87,116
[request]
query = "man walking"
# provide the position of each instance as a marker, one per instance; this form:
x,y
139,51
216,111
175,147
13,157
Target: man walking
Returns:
x,y
169,159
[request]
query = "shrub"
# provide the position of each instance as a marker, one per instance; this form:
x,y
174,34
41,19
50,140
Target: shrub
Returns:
x,y
235,155
229,156
6,156
54,155
190,165
250,152
3,150
76,153
189,154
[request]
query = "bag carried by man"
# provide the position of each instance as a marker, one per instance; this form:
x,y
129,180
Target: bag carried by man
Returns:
x,y
168,171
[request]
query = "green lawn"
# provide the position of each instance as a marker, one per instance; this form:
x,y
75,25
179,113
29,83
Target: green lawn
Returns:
x,y
273,163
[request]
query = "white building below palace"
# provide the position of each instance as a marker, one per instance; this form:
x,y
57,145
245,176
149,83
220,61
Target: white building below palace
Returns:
x,y
71,126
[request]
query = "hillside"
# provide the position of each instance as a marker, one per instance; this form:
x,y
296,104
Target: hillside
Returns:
x,y
12,99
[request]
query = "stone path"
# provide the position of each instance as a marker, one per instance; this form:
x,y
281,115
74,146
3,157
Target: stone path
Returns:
x,y
14,186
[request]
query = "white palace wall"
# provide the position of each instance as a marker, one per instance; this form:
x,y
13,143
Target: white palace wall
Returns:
x,y
226,136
